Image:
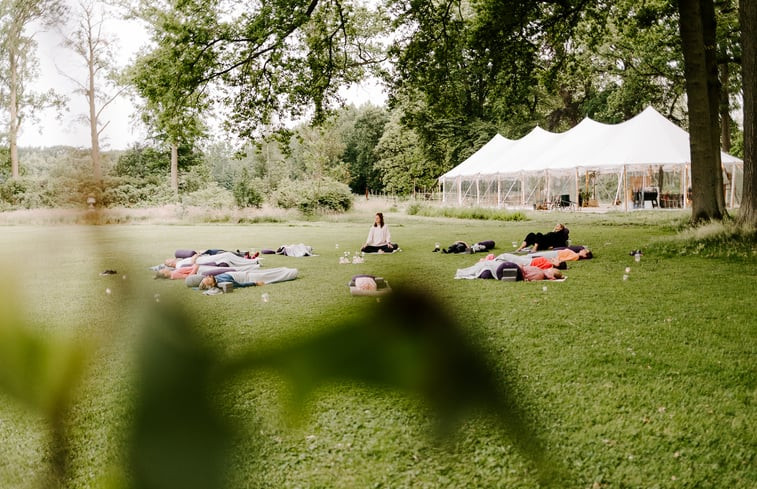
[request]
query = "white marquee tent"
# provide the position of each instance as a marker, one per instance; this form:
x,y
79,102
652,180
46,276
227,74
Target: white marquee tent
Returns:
x,y
643,161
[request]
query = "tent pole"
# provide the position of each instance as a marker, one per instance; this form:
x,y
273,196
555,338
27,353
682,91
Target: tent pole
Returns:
x,y
625,188
459,191
684,185
499,192
522,189
733,183
478,193
643,185
444,196
576,184
549,186
618,189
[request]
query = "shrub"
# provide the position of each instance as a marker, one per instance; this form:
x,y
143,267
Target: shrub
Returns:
x,y
314,196
134,192
712,240
212,196
413,209
196,178
25,193
247,190
465,213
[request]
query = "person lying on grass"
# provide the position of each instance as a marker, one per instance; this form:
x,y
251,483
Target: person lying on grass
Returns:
x,y
250,278
565,254
539,269
462,247
532,274
542,262
228,258
556,238
182,273
493,267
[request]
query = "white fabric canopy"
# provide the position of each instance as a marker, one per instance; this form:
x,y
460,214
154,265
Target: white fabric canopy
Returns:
x,y
646,139
489,152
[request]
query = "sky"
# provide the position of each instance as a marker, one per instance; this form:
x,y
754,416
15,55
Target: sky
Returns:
x,y
58,64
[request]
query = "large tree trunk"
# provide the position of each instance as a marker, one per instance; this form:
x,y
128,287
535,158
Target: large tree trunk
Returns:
x,y
748,21
93,132
175,166
13,113
701,70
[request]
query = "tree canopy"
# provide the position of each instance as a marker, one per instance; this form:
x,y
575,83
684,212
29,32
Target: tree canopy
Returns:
x,y
456,72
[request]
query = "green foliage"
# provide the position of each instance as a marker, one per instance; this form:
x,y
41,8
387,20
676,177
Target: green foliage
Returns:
x,y
360,155
211,196
131,192
142,161
19,21
737,143
167,77
179,436
23,193
465,70
5,163
289,58
71,180
42,371
317,152
312,196
478,213
247,191
402,165
711,240
195,179
624,59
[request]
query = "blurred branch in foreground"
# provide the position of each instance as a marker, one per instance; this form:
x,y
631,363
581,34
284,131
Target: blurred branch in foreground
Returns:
x,y
42,372
407,342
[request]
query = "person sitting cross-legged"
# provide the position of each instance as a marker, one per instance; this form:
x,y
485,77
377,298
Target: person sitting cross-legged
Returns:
x,y
379,238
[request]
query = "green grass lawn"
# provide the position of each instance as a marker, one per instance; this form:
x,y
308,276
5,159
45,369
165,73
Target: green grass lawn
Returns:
x,y
647,382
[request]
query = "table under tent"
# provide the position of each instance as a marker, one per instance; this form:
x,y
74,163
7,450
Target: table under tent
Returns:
x,y
640,163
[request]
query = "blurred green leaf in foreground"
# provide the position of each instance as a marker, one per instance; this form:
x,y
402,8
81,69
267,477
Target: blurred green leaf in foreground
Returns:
x,y
405,341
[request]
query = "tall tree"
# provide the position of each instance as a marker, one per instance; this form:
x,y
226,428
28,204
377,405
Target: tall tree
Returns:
x,y
748,21
96,52
402,164
461,68
697,24
361,140
615,60
318,151
267,64
172,104
20,65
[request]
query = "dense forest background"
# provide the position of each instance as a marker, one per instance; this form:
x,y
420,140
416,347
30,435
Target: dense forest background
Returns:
x,y
456,73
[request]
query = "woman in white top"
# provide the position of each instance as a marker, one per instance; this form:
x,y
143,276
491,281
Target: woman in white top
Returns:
x,y
379,239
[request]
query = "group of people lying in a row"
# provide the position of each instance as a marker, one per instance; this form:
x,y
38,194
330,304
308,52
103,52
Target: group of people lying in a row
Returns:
x,y
209,268
547,255
542,265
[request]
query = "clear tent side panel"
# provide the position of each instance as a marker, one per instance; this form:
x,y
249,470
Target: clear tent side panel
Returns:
x,y
633,186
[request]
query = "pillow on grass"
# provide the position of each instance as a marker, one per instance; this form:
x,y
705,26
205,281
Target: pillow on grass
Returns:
x,y
193,280
184,253
368,285
506,265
